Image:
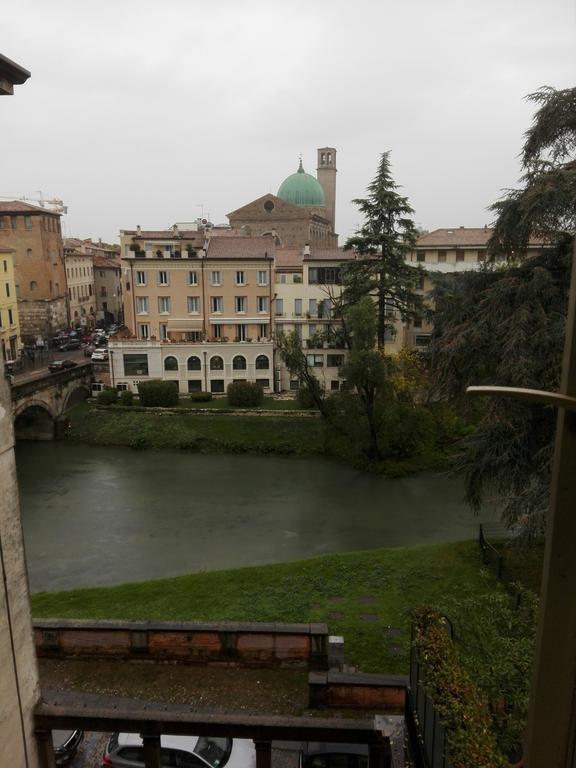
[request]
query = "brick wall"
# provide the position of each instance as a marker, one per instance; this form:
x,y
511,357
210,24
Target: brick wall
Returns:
x,y
248,644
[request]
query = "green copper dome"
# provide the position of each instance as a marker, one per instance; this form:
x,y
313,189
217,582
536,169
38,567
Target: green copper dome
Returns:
x,y
302,189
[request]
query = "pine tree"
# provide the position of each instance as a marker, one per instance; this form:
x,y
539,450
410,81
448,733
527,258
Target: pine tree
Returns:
x,y
505,326
383,242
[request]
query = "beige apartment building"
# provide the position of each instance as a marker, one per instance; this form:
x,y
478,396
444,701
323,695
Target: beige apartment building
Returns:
x,y
307,283
188,286
10,339
34,235
446,251
197,307
80,280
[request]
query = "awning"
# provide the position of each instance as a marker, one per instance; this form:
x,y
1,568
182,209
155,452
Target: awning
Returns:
x,y
185,324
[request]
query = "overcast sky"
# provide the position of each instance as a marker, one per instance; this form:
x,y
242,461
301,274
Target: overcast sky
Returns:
x,y
138,112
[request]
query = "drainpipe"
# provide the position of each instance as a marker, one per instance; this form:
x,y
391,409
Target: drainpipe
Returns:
x,y
205,373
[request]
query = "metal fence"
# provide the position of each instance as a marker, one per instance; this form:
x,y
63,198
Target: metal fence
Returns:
x,y
491,537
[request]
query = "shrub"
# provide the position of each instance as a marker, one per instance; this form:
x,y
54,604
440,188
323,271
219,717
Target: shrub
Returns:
x,y
245,394
159,394
201,397
126,397
107,396
459,702
304,398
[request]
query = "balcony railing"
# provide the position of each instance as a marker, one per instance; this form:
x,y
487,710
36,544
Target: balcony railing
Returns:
x,y
112,715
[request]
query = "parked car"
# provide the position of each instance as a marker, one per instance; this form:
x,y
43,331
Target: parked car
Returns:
x,y
61,365
100,356
124,750
65,745
69,345
88,349
319,755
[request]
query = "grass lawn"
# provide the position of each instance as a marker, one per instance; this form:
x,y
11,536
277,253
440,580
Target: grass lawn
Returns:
x,y
226,433
359,595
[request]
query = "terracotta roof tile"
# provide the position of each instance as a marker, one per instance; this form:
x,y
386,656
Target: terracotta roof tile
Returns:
x,y
288,258
105,262
17,206
240,248
460,237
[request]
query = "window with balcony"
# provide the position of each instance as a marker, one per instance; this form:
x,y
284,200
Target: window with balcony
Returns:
x,y
141,305
215,278
240,277
164,304
262,330
141,277
241,332
298,307
193,305
144,331
262,277
240,303
192,278
217,331
217,304
163,277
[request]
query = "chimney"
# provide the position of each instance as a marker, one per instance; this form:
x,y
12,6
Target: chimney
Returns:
x,y
138,230
306,249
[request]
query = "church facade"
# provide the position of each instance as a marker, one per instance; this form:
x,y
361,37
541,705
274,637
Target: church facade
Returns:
x,y
301,213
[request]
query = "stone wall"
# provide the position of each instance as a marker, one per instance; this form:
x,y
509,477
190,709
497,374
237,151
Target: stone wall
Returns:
x,y
250,644
19,687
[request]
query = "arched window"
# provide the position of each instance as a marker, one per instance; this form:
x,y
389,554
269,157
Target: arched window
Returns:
x,y
262,363
33,285
170,364
216,363
323,158
194,363
239,363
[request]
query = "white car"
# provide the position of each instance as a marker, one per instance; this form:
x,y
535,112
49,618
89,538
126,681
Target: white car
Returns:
x,y
124,750
99,355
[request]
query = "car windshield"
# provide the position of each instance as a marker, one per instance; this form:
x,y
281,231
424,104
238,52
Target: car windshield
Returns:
x,y
215,752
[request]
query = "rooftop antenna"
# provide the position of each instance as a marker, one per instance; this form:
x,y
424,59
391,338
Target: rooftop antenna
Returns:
x,y
201,206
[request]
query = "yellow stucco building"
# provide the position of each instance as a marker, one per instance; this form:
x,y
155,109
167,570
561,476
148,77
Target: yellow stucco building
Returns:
x,y
10,339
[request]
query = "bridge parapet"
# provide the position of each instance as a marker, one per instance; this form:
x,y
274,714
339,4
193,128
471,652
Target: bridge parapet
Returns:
x,y
59,379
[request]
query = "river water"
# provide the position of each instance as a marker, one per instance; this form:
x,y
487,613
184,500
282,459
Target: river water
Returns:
x,y
96,516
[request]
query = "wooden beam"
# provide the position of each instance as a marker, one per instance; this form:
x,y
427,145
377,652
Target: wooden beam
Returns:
x,y
551,735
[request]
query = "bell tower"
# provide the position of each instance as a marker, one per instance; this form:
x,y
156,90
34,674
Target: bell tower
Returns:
x,y
326,175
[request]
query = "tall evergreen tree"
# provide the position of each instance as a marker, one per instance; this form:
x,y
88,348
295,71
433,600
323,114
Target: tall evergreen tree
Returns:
x,y
506,325
386,237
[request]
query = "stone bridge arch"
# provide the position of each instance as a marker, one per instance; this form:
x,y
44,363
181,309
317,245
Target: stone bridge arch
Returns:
x,y
34,420
75,396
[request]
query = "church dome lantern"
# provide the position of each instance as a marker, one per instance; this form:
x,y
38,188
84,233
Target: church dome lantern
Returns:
x,y
302,189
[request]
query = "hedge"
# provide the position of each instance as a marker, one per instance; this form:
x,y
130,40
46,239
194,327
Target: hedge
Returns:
x,y
245,394
108,396
162,394
460,704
